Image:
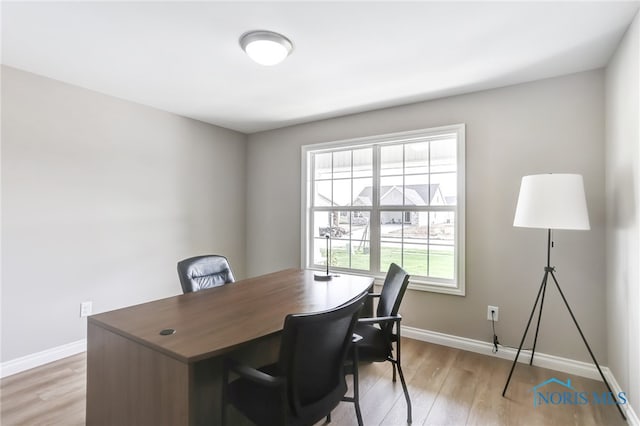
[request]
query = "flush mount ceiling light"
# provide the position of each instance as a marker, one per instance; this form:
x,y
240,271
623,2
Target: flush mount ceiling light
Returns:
x,y
266,47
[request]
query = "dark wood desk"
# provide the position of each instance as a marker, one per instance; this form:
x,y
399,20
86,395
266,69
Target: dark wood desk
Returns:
x,y
137,376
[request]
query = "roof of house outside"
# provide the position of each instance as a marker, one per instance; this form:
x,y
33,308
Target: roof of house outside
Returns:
x,y
415,195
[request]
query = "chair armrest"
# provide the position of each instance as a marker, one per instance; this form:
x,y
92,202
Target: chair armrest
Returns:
x,y
377,320
253,374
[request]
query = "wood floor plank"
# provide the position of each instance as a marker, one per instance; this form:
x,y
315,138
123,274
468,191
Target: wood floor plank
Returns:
x,y
424,385
370,374
385,400
488,406
453,402
53,394
447,386
588,415
381,399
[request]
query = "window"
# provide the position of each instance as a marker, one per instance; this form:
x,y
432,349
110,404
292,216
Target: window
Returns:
x,y
393,198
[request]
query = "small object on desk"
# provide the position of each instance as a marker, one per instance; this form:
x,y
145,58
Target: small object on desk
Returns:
x,y
321,276
167,332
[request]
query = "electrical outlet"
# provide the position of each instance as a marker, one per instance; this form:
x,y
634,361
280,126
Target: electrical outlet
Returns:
x,y
85,309
496,313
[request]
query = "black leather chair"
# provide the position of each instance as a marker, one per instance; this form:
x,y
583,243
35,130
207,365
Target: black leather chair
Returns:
x,y
201,272
381,332
307,382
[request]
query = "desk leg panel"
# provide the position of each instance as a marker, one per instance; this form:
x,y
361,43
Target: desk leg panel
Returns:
x,y
206,381
131,384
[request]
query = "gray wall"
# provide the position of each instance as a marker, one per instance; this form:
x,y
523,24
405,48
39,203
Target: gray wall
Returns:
x,y
554,125
100,198
623,212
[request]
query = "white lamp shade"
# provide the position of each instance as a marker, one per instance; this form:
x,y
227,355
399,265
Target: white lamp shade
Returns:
x,y
552,201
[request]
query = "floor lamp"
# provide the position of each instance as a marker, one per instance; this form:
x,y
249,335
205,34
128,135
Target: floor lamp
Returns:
x,y
552,201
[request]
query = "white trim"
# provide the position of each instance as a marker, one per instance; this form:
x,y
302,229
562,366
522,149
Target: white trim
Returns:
x,y
37,359
552,362
304,201
632,417
400,137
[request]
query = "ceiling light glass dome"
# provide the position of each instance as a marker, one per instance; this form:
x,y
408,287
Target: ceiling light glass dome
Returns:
x,y
266,47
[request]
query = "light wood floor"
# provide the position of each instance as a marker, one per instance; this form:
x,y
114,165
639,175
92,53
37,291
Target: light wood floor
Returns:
x,y
447,387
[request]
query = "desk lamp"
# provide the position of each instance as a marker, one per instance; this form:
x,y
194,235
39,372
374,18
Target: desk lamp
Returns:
x,y
321,276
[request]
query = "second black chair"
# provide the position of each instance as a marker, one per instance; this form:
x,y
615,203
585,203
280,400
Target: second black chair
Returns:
x,y
380,333
308,381
201,272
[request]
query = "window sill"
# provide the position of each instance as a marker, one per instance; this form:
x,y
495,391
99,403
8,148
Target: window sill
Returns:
x,y
414,284
436,288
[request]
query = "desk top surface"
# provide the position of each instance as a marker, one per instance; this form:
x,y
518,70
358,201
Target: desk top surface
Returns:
x,y
214,321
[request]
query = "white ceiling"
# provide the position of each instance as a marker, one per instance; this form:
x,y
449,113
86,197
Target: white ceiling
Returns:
x,y
348,56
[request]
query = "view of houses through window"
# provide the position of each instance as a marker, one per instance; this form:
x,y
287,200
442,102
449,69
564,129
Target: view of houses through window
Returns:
x,y
395,201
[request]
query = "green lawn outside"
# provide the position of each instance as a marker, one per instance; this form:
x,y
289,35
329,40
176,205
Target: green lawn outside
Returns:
x,y
415,261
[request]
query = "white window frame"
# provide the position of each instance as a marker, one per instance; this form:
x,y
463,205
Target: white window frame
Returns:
x,y
431,284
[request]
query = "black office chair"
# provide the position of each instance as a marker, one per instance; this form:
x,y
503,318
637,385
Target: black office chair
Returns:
x,y
377,341
201,272
307,382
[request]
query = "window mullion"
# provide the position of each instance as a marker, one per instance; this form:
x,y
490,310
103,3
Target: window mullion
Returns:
x,y
311,213
350,214
333,154
429,213
404,199
374,220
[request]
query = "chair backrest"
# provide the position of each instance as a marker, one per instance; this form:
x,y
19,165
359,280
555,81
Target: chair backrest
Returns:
x,y
313,351
200,272
393,289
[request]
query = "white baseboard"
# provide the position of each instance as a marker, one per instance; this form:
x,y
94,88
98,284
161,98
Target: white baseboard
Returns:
x,y
552,362
632,417
27,362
